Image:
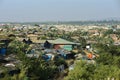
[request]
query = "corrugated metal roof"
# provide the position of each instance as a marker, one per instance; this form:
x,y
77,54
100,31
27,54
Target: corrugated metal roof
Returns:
x,y
57,41
61,41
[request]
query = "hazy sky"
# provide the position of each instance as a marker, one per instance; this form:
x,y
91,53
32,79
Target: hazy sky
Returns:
x,y
58,10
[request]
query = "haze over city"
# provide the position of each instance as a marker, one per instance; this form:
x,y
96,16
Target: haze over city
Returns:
x,y
59,39
58,10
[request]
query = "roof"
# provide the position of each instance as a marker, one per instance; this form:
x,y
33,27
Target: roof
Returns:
x,y
61,41
57,41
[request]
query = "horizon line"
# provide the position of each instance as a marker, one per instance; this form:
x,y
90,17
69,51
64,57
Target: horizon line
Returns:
x,y
58,21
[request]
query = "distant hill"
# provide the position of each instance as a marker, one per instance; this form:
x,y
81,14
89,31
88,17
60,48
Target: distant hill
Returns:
x,y
110,21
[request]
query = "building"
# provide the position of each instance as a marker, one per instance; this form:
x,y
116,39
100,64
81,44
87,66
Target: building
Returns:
x,y
59,44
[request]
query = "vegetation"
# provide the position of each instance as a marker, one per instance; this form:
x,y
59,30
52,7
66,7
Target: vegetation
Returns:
x,y
106,66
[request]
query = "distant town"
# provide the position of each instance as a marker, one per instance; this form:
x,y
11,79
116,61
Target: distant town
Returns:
x,y
76,50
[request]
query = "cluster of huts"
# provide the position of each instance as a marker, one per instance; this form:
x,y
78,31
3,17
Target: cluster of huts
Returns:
x,y
50,48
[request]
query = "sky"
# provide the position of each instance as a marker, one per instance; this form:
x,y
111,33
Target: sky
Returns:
x,y
58,10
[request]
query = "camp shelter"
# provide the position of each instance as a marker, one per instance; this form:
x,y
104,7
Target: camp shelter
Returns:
x,y
62,43
2,51
58,44
32,36
68,47
47,44
3,46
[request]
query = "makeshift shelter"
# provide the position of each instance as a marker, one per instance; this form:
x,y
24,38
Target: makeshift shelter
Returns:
x,y
47,45
90,56
62,43
57,44
47,57
27,41
3,51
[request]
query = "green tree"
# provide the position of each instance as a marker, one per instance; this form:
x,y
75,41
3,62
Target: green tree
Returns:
x,y
82,71
82,41
40,70
15,47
